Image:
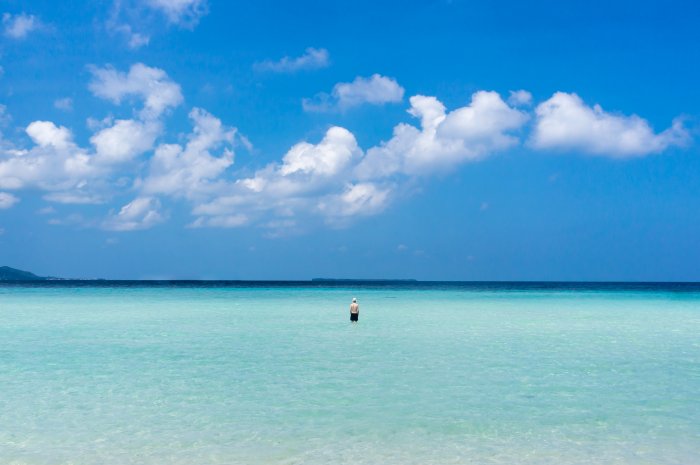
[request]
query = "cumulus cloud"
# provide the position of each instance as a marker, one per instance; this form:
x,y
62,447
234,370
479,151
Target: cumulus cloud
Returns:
x,y
305,180
47,134
153,85
445,140
358,199
19,26
565,122
54,163
140,213
124,140
7,200
313,58
306,167
374,90
191,171
324,159
73,174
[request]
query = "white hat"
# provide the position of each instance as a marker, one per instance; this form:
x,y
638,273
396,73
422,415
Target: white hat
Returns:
x,y
354,300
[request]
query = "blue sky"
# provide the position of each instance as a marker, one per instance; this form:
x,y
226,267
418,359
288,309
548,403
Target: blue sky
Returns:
x,y
459,140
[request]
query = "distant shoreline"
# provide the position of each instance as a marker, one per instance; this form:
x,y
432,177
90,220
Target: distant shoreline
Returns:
x,y
357,284
353,280
12,277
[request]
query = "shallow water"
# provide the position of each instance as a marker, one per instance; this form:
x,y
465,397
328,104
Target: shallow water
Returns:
x,y
277,375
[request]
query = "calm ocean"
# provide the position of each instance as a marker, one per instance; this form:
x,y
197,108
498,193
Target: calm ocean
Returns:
x,y
274,373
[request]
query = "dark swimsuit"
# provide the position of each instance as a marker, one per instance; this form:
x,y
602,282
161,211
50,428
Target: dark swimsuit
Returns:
x,y
353,316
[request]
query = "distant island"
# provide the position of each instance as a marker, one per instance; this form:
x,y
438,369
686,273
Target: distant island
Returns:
x,y
354,280
13,274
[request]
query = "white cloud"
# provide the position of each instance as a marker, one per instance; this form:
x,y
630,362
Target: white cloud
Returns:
x,y
184,13
65,104
140,213
327,158
124,140
153,85
19,26
72,174
136,20
118,24
331,181
7,200
360,199
321,180
565,122
313,58
47,134
292,188
191,171
55,163
520,98
374,90
445,139
306,167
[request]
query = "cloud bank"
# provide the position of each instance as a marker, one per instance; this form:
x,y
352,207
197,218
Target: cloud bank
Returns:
x,y
332,180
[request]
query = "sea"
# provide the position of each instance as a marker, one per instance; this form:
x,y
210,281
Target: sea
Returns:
x,y
210,373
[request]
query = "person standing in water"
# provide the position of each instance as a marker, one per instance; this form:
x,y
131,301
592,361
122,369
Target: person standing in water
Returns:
x,y
354,310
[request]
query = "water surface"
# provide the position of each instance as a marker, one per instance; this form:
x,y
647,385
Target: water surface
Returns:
x,y
274,373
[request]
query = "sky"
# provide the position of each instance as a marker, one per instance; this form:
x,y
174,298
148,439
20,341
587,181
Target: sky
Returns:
x,y
432,140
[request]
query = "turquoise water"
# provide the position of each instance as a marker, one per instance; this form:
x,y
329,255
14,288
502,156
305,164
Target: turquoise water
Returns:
x,y
183,375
